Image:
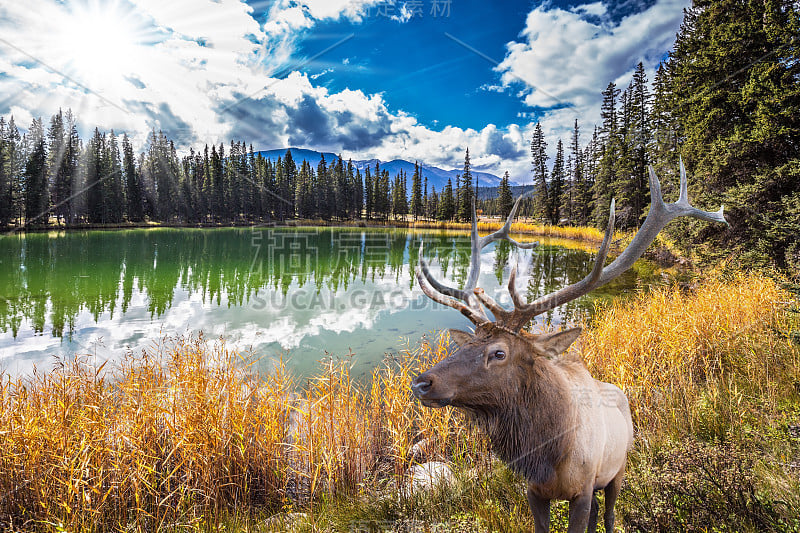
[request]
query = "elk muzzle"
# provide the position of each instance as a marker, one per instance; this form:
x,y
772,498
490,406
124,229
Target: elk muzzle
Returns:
x,y
423,388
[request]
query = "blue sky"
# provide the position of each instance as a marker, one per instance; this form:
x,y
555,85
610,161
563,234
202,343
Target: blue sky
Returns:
x,y
418,68
365,78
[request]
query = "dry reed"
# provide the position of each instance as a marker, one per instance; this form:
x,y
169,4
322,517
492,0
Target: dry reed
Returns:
x,y
186,432
580,233
692,361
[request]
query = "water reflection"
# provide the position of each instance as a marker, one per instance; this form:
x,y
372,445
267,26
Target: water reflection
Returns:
x,y
307,290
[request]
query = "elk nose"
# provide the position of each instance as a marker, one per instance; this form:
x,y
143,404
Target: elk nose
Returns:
x,y
421,385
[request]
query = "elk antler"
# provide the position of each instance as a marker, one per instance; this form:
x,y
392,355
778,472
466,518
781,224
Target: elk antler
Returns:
x,y
660,215
449,296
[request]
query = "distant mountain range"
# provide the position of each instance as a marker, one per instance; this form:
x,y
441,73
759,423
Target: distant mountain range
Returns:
x,y
437,177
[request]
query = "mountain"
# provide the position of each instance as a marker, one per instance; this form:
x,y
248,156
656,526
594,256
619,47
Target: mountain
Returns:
x,y
437,177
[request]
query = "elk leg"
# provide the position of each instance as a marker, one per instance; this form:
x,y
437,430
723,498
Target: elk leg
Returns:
x,y
592,528
612,491
541,512
579,510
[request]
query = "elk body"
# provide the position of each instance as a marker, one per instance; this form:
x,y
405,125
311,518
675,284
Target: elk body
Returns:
x,y
567,433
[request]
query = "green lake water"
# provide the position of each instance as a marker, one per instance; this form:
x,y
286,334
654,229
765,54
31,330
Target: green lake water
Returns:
x,y
303,293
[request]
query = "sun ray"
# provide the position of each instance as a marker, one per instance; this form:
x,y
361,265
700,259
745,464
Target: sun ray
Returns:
x,y
101,41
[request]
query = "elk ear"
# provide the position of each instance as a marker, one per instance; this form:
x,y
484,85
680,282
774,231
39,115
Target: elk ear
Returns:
x,y
459,337
552,344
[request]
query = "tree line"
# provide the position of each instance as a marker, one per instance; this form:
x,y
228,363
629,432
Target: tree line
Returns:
x,y
50,176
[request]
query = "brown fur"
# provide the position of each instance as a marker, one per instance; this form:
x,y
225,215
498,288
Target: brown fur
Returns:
x,y
540,403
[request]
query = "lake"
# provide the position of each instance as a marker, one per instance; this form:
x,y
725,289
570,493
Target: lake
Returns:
x,y
300,293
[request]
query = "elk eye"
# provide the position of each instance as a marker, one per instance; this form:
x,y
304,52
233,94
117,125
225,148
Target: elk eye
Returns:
x,y
499,355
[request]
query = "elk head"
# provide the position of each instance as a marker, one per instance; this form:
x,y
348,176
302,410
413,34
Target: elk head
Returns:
x,y
489,362
494,360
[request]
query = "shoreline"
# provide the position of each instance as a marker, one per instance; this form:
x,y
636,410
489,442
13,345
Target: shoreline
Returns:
x,y
522,227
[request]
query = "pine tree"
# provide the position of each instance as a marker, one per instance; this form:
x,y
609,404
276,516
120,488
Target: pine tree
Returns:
x,y
576,184
322,191
37,198
133,186
457,192
304,194
231,183
186,194
114,191
447,204
71,171
15,161
369,195
384,195
417,204
738,104
341,189
637,193
282,203
59,175
465,192
217,202
505,200
377,199
289,177
267,187
664,127
433,204
95,174
607,171
163,172
539,163
426,213
6,178
399,202
556,186
590,157
358,195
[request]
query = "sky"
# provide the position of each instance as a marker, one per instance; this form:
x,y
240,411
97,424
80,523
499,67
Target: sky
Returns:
x,y
416,80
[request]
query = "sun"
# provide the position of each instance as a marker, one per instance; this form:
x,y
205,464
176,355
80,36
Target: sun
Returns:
x,y
100,41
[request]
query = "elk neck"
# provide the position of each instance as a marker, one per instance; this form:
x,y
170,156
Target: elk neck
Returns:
x,y
532,428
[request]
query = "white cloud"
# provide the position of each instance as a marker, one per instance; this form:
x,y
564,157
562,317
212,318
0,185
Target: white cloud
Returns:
x,y
568,57
290,15
597,9
404,15
321,73
493,88
202,71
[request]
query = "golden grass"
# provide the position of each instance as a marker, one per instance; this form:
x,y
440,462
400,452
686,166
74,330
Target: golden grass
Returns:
x,y
580,233
176,436
697,361
187,432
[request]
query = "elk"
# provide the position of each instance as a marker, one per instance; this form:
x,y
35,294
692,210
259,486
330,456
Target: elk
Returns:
x,y
565,432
